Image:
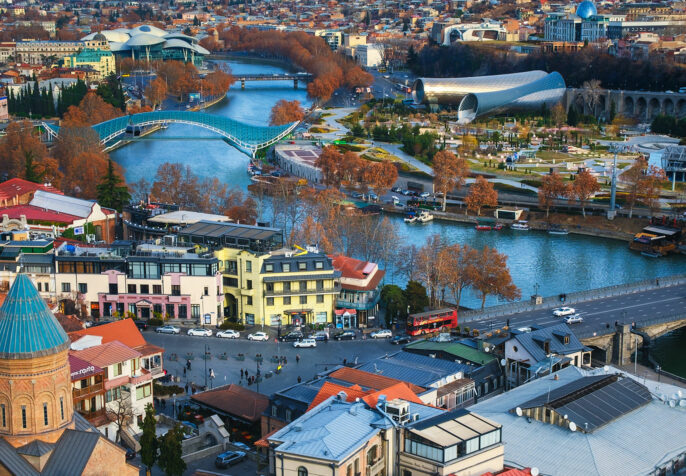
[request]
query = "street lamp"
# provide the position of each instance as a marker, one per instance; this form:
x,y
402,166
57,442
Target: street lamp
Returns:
x,y
207,348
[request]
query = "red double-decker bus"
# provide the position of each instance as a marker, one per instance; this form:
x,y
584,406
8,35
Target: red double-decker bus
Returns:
x,y
431,321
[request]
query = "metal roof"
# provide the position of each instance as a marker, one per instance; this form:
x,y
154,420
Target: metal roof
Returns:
x,y
72,452
299,277
415,368
63,204
531,341
27,327
457,349
13,462
216,229
36,448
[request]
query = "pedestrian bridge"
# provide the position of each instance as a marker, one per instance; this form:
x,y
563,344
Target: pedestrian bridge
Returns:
x,y
245,137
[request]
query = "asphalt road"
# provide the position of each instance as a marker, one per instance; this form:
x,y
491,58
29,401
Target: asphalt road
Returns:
x,y
635,307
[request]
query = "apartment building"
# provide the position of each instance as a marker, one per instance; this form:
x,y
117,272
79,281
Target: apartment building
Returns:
x,y
88,394
36,52
101,62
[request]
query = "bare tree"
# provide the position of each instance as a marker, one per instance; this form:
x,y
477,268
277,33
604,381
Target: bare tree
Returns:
x,y
591,94
120,411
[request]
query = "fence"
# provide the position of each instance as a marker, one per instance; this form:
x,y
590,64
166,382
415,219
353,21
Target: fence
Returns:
x,y
571,298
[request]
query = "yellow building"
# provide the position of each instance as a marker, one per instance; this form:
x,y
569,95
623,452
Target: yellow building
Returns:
x,y
100,61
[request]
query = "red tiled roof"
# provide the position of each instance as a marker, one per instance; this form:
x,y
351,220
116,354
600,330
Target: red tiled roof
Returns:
x,y
352,268
107,354
329,389
69,323
400,390
124,331
370,380
262,442
507,472
235,400
37,214
16,186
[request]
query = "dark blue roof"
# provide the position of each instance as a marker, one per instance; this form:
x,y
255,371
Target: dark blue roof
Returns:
x,y
27,327
586,9
533,341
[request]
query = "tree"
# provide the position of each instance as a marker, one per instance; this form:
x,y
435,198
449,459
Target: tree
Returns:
x,y
458,261
286,112
156,92
415,296
490,276
148,441
591,94
449,173
431,269
111,192
91,110
572,116
481,194
311,232
120,411
170,459
643,183
20,144
395,303
330,161
632,179
552,187
31,173
585,185
557,113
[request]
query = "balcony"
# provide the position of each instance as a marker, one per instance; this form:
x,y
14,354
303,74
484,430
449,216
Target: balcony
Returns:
x,y
144,376
92,415
376,468
298,292
363,301
88,391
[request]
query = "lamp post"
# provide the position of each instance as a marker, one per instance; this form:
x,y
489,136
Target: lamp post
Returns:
x,y
613,185
207,348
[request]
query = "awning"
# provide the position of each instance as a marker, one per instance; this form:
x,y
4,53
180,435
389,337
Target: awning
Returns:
x,y
297,311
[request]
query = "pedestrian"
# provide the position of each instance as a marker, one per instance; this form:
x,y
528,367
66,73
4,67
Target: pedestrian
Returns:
x,y
246,373
297,358
345,361
186,388
285,360
241,374
184,371
299,379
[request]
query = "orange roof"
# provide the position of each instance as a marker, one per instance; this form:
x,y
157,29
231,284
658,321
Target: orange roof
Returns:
x,y
262,442
399,390
352,268
124,331
330,389
106,354
370,380
510,472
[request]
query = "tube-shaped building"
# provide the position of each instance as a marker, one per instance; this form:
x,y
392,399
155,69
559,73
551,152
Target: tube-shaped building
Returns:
x,y
450,91
548,90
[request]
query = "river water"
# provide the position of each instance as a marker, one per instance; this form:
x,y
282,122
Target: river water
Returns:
x,y
554,264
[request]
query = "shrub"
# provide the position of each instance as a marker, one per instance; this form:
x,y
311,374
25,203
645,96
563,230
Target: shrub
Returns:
x,y
155,321
160,390
236,326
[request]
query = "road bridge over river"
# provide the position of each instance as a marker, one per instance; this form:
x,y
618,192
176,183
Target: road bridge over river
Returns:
x,y
616,318
295,77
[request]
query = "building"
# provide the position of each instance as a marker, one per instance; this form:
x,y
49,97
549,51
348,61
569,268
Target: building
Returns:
x,y
88,393
542,351
142,281
8,51
17,191
4,111
369,56
486,31
361,283
98,60
38,52
674,162
29,256
591,422
299,160
40,432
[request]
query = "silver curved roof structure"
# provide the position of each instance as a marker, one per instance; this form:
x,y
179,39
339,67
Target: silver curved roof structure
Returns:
x,y
145,39
451,90
547,90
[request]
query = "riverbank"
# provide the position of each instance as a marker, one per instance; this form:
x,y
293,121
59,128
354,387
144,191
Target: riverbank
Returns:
x,y
238,56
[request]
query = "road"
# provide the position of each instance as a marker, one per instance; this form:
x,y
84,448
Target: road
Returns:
x,y
599,313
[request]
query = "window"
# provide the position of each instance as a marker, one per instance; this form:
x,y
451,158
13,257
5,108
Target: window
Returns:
x,y
286,267
371,455
248,300
566,339
320,284
357,465
157,289
287,300
66,287
407,472
302,265
490,438
114,289
83,288
287,286
274,410
156,308
169,310
38,285
207,291
303,299
270,301
145,289
195,311
270,287
117,369
183,311
131,288
113,394
249,318
349,470
23,416
318,265
61,408
4,421
176,290
143,391
303,286
45,414
248,284
472,445
231,267
546,347
269,267
320,298
302,471
233,282
289,415
248,266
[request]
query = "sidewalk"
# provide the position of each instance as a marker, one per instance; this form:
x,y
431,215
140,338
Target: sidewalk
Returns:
x,y
649,374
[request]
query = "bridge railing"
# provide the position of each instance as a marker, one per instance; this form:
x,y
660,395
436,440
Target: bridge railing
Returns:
x,y
571,298
609,328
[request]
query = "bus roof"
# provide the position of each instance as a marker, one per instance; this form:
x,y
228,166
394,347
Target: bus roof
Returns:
x,y
431,313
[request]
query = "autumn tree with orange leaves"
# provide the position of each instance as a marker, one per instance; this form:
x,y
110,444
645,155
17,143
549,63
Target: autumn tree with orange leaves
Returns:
x,y
584,187
552,188
642,184
449,173
329,162
481,194
286,112
156,91
381,176
20,143
91,110
490,276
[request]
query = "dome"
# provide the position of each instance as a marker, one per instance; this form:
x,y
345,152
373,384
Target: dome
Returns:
x,y
586,9
99,37
28,328
144,39
147,30
176,43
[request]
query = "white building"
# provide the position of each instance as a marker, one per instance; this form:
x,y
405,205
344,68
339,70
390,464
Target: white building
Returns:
x,y
299,160
369,56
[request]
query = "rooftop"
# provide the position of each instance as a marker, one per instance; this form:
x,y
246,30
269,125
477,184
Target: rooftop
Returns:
x,y
234,400
16,186
124,331
416,369
106,354
63,204
185,217
33,213
456,349
27,326
453,427
533,342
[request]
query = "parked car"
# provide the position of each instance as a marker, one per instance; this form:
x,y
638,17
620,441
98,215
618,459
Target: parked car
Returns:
x,y
563,311
224,460
320,335
424,195
142,325
305,343
381,334
574,319
229,334
346,335
292,336
200,331
401,339
242,446
397,190
372,196
168,330
258,336
406,192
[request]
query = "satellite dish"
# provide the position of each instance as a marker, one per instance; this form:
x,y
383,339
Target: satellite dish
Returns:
x,y
680,393
518,411
503,362
606,368
534,472
672,403
566,417
676,396
682,403
572,426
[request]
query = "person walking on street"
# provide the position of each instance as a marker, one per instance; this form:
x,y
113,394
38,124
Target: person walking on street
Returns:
x,y
299,379
297,358
184,371
241,374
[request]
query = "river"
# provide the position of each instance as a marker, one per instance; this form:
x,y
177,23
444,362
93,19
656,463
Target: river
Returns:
x,y
554,264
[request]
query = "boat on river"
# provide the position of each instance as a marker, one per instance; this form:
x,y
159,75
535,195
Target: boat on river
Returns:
x,y
482,227
554,229
522,225
424,217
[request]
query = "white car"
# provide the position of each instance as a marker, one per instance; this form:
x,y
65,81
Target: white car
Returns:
x,y
229,334
574,319
168,330
305,343
563,311
199,331
424,195
258,336
381,334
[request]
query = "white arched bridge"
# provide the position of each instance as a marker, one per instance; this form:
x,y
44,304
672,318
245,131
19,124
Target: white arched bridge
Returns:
x,y
245,137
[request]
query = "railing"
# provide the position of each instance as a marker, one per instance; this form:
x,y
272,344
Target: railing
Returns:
x,y
376,467
92,415
296,292
82,392
608,328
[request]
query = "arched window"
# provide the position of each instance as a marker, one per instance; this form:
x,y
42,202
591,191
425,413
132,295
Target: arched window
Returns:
x,y
302,471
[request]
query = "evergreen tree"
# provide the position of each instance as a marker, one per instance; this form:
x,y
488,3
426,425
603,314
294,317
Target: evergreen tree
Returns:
x,y
415,295
170,453
111,193
31,174
149,443
572,116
